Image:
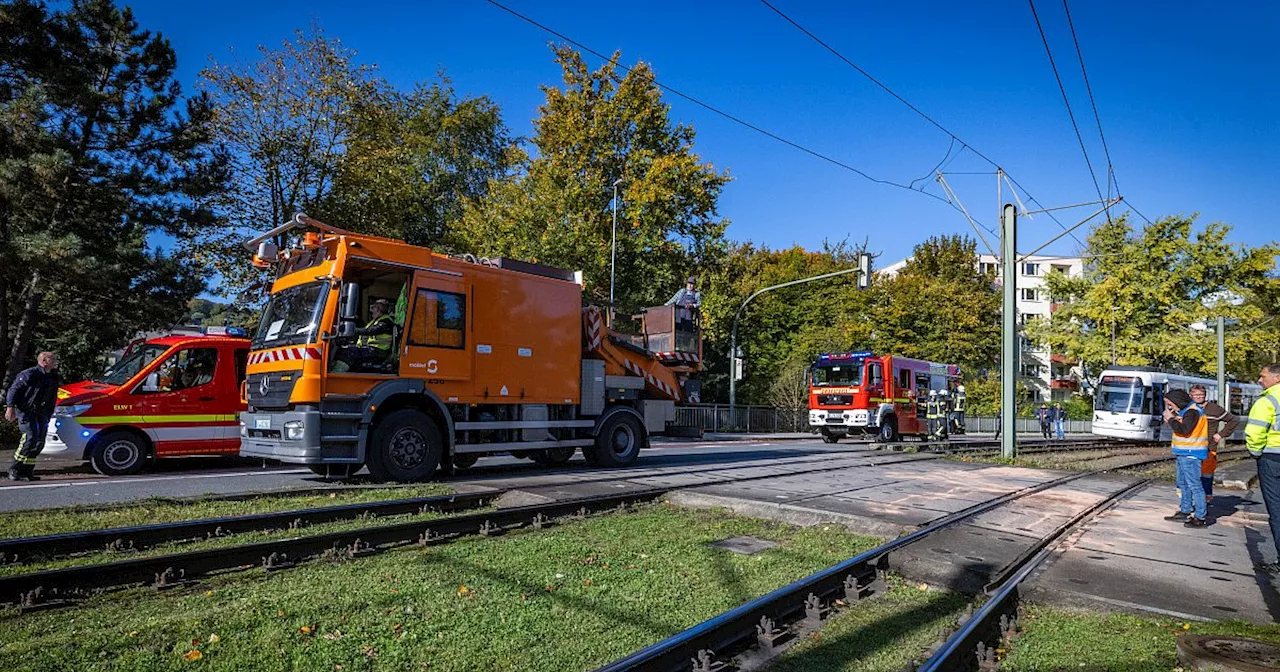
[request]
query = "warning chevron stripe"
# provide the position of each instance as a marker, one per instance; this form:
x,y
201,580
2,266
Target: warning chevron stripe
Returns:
x,y
284,354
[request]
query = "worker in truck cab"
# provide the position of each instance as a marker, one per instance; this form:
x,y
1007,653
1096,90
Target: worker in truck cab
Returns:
x,y
373,341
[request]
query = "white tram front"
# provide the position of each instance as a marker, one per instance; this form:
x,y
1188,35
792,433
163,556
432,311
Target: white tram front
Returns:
x,y
1129,401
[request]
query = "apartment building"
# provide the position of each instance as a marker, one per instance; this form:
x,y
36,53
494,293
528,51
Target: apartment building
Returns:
x,y
1051,377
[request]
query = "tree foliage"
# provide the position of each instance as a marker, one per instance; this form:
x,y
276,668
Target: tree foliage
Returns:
x,y
100,150
602,127
1150,286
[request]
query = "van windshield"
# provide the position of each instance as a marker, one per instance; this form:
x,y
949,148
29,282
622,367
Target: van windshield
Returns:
x,y
292,317
120,372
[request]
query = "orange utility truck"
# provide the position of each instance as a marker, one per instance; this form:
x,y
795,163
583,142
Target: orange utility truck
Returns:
x,y
477,357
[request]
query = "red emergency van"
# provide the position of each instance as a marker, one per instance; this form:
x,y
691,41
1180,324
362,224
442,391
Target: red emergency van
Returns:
x,y
178,394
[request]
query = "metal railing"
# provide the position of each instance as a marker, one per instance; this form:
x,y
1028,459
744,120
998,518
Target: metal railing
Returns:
x,y
766,419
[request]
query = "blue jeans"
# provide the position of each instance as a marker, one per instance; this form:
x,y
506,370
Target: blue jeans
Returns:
x,y
1189,483
1057,425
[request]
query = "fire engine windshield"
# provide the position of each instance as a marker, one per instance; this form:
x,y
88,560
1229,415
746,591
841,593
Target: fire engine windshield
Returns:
x,y
838,374
292,317
120,372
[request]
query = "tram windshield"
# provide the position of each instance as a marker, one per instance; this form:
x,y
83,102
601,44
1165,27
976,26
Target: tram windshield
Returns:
x,y
838,374
1122,394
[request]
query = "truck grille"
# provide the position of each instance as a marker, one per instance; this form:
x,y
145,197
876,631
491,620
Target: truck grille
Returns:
x,y
278,389
835,399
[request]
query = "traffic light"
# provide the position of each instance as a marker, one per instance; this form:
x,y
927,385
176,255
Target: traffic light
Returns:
x,y
864,270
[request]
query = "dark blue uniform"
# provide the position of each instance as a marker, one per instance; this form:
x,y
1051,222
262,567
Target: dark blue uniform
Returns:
x,y
33,395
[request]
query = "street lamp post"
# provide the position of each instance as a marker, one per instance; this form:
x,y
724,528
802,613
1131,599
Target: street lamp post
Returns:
x,y
864,266
613,247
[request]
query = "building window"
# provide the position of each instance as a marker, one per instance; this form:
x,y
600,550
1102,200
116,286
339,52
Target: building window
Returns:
x,y
1030,295
1065,270
985,267
1031,370
1028,318
1031,269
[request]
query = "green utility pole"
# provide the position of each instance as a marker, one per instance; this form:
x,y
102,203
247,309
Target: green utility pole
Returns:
x,y
1223,399
1010,358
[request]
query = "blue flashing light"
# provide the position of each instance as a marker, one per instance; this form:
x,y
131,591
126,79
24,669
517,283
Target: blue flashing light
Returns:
x,y
84,434
57,423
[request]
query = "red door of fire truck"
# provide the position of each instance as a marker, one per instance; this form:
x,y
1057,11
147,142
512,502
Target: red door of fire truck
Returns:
x,y
189,402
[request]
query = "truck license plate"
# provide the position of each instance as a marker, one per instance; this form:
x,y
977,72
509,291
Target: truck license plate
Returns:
x,y
262,423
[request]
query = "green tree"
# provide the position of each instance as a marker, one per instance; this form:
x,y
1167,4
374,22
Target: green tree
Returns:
x,y
598,128
414,159
100,151
1148,287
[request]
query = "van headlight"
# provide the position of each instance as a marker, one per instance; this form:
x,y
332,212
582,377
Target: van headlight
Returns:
x,y
70,411
293,430
244,429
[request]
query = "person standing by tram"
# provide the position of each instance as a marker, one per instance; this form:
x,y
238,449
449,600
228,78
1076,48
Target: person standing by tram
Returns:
x,y
1190,448
1222,424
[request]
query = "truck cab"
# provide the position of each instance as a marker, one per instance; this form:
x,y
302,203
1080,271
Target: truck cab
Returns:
x,y
171,395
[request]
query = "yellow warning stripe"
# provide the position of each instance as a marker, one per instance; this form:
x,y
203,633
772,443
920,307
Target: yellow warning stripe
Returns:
x,y
152,419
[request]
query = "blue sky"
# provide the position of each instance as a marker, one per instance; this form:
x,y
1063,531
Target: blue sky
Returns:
x,y
1186,92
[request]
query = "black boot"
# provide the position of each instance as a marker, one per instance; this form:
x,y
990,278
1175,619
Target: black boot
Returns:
x,y
29,472
14,473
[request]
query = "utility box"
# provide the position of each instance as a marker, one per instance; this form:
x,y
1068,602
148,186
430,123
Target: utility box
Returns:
x,y
592,388
657,413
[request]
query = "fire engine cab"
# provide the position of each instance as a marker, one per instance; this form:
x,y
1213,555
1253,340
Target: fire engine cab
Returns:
x,y
177,394
877,395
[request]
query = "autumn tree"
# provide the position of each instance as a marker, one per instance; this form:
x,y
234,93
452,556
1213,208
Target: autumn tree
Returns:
x,y
1149,286
99,152
605,126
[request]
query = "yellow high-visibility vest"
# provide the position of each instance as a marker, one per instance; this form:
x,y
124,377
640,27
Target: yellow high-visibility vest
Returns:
x,y
1262,428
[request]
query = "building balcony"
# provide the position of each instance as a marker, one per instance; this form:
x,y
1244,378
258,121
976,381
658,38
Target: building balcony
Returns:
x,y
1064,384
1058,358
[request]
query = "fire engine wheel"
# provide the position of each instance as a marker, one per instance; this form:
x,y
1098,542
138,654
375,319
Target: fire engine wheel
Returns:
x,y
335,472
618,442
465,460
406,447
553,457
117,453
889,430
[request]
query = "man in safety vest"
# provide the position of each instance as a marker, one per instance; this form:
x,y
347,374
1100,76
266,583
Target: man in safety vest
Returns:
x,y
958,412
378,332
1262,438
931,407
1190,449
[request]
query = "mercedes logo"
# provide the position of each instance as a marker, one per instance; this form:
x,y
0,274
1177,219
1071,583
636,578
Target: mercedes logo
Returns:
x,y
265,386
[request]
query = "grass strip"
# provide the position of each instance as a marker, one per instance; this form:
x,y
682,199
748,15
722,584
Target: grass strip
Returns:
x,y
1056,638
570,597
76,519
884,633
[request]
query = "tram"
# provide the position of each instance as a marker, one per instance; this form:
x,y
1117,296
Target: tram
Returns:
x,y
1129,401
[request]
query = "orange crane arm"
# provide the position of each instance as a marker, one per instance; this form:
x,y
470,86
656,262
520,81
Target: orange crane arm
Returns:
x,y
624,359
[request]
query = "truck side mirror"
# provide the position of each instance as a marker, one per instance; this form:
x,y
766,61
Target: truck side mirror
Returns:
x,y
349,310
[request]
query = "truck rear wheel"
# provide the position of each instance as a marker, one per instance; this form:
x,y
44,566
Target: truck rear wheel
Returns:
x,y
405,447
118,453
553,457
618,443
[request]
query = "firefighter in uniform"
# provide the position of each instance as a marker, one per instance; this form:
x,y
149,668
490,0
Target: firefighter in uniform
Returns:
x,y
959,410
1262,438
30,401
931,414
944,414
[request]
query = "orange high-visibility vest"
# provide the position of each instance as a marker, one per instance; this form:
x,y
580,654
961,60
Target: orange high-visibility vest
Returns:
x,y
1195,444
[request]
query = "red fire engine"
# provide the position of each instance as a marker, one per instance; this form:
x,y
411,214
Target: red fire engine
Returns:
x,y
177,394
881,395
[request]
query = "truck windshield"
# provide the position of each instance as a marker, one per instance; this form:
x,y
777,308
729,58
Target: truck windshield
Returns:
x,y
291,317
838,374
1120,398
120,372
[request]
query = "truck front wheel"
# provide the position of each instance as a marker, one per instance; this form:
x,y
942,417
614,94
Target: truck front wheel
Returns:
x,y
889,429
405,447
618,442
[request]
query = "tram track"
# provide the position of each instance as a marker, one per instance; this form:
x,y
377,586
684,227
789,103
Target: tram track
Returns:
x,y
755,633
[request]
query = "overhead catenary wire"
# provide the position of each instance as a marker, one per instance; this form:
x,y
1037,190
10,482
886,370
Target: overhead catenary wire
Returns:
x,y
1111,169
964,145
1070,115
794,145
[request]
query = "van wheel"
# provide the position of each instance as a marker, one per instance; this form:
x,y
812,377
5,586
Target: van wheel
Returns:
x,y
618,443
335,472
405,447
889,430
828,437
553,457
118,453
465,460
